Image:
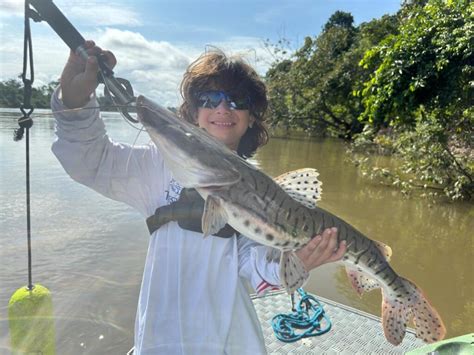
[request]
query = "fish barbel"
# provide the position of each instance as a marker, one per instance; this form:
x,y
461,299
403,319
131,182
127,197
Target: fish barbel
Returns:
x,y
282,213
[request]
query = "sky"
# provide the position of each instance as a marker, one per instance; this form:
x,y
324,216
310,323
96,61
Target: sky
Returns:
x,y
155,40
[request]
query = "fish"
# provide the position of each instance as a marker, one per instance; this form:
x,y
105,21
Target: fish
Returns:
x,y
282,213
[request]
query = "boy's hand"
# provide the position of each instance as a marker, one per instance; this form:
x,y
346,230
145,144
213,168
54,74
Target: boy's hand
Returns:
x,y
322,249
79,78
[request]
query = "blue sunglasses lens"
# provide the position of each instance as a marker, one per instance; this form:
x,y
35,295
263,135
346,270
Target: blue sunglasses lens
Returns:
x,y
212,99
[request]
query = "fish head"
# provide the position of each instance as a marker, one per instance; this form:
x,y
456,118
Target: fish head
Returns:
x,y
195,158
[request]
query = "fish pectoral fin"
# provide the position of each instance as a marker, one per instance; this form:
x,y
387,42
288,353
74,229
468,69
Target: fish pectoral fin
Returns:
x,y
360,281
302,185
214,217
293,274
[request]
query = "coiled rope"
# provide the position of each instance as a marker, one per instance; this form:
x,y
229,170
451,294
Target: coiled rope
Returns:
x,y
307,320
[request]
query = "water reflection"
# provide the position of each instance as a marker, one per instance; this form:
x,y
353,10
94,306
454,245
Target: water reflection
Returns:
x,y
95,336
87,250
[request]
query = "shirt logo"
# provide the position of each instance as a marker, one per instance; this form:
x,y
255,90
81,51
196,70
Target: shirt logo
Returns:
x,y
174,189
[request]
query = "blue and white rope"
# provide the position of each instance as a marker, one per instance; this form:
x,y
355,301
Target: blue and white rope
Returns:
x,y
308,319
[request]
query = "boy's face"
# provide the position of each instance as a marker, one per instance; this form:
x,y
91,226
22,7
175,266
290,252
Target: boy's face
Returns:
x,y
226,124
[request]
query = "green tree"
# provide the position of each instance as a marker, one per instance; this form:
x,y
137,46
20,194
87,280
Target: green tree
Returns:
x,y
314,90
421,92
11,94
340,19
429,63
300,90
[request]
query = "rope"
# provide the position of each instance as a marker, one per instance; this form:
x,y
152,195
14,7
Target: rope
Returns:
x,y
308,317
25,122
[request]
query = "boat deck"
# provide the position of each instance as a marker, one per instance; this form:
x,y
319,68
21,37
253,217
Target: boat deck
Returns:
x,y
352,332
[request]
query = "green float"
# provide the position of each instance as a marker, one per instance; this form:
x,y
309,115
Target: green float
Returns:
x,y
30,316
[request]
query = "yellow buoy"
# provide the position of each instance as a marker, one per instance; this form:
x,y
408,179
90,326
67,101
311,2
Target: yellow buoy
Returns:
x,y
30,315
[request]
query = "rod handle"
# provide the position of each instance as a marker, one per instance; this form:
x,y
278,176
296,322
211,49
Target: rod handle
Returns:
x,y
60,24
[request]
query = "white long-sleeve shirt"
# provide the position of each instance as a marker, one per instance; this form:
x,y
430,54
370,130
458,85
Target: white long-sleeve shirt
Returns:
x,y
193,298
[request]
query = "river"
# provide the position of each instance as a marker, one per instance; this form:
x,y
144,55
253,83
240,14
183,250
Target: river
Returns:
x,y
89,251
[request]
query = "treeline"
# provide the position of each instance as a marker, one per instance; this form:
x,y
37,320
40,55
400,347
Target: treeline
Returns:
x,y
11,94
401,85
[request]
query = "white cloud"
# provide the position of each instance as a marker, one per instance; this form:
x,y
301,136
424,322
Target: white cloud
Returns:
x,y
106,15
11,7
154,68
49,54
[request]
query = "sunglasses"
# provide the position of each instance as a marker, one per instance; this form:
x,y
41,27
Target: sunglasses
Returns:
x,y
212,99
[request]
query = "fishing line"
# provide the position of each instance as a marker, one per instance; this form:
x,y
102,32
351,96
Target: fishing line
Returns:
x,y
25,123
133,145
100,107
48,114
30,308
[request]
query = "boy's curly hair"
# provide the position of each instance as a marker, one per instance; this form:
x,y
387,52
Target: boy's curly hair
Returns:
x,y
214,70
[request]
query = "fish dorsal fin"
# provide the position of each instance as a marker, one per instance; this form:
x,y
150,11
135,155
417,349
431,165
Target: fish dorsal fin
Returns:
x,y
214,217
302,185
384,249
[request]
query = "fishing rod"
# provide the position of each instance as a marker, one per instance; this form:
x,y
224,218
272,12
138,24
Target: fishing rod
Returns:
x,y
119,90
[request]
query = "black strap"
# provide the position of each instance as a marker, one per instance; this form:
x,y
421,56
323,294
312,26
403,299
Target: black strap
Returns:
x,y
187,211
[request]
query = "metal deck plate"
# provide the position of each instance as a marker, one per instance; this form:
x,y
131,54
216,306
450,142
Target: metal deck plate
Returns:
x,y
352,332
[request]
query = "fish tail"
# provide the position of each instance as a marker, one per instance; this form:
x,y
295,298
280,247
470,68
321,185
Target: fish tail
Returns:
x,y
404,302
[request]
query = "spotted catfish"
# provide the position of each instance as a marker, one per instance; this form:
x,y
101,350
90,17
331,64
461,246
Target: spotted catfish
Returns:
x,y
282,213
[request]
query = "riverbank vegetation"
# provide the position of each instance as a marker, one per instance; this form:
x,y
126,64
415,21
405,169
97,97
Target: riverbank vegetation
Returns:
x,y
401,85
11,95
